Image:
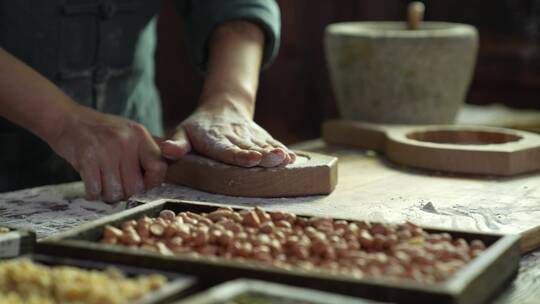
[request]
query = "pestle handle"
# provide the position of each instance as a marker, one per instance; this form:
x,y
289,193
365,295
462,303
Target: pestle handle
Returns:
x,y
415,14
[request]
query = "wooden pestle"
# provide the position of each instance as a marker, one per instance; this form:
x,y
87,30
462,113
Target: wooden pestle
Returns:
x,y
415,15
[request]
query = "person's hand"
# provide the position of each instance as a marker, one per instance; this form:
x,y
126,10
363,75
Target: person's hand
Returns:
x,y
115,157
222,127
228,135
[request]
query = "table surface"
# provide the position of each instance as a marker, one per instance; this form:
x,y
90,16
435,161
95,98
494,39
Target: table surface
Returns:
x,y
369,188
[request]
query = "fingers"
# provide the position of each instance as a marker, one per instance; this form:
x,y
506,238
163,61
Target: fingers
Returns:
x,y
154,166
271,157
132,179
91,176
291,156
111,181
175,147
222,149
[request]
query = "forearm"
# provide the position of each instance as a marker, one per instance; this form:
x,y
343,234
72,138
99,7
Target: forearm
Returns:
x,y
234,63
30,100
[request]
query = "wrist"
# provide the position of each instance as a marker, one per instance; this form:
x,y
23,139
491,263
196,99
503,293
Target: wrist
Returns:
x,y
55,122
228,101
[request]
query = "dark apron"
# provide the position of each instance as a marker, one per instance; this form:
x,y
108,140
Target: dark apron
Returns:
x,y
87,48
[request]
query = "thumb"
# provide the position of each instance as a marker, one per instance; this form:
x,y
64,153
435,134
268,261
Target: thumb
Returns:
x,y
175,147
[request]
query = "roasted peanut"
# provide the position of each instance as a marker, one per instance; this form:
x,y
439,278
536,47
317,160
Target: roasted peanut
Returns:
x,y
277,216
318,247
162,248
200,238
175,242
301,222
318,243
130,236
127,224
340,224
283,224
226,238
378,229
263,215
168,215
477,244
251,219
267,227
208,250
110,232
298,251
365,239
161,221
157,229
148,241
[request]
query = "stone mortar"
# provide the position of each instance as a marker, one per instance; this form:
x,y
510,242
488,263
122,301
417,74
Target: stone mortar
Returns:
x,y
384,73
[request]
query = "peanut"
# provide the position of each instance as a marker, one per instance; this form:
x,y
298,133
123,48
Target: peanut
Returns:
x,y
263,215
127,224
130,236
284,240
111,232
168,215
157,229
251,219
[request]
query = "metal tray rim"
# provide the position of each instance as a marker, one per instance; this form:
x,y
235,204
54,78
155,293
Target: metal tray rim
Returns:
x,y
451,287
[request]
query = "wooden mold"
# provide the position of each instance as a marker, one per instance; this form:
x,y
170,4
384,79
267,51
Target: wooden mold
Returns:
x,y
311,174
451,148
476,283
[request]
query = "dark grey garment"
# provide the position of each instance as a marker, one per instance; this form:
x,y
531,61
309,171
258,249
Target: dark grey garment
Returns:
x,y
101,53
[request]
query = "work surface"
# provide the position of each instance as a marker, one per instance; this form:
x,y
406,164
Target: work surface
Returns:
x,y
368,188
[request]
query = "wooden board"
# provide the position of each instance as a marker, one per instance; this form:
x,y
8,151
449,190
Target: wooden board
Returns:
x,y
475,283
451,148
311,174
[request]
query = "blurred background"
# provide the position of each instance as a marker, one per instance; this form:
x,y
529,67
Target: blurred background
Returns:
x,y
295,93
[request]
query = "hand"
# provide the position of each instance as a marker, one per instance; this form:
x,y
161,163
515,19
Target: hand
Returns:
x,y
227,135
115,157
222,128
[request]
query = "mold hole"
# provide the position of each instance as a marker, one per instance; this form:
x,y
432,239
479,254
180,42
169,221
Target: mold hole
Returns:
x,y
464,137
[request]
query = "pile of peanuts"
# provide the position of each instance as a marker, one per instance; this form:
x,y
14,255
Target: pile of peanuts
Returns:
x,y
285,240
23,281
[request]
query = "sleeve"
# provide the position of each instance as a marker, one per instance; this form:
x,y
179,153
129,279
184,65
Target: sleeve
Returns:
x,y
202,16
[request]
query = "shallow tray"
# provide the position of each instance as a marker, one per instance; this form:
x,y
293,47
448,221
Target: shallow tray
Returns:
x,y
16,242
475,283
178,285
255,291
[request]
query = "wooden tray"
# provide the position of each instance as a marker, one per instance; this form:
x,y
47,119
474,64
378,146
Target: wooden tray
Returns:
x,y
476,283
177,287
16,242
291,295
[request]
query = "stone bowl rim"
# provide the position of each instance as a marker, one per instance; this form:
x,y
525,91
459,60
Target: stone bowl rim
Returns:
x,y
399,29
